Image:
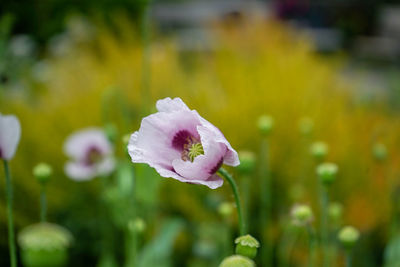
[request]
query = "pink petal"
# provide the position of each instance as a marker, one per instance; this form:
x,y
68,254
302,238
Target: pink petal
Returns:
x,y
170,105
10,134
79,171
203,166
209,132
154,142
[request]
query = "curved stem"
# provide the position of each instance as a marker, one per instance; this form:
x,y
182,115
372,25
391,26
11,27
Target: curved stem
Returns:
x,y
43,203
9,197
229,178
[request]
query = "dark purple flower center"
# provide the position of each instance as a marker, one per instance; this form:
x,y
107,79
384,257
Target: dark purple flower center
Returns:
x,y
1,153
93,155
180,139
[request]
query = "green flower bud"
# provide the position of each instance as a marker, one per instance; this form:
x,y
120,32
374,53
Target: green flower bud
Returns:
x,y
125,139
237,261
42,172
335,211
301,214
44,245
379,151
138,225
226,209
247,246
265,124
348,236
327,173
319,150
247,162
306,126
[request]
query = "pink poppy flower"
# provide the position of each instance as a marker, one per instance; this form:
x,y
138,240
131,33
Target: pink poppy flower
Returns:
x,y
10,133
91,155
180,144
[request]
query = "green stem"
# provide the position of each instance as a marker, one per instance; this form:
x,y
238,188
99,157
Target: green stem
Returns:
x,y
349,259
324,225
312,245
9,197
43,203
265,212
245,188
231,181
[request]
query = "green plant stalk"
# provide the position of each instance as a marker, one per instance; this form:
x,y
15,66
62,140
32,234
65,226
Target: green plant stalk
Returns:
x,y
232,183
43,203
9,197
324,225
286,246
265,213
349,259
312,245
131,247
245,185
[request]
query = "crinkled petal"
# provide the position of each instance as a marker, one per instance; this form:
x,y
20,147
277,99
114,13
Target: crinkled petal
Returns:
x,y
208,133
78,143
213,181
10,134
170,105
203,166
153,143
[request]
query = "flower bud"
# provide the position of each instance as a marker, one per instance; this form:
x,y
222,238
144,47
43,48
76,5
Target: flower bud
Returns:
x,y
335,211
138,225
306,126
301,214
327,173
125,139
42,172
225,209
319,150
44,245
237,261
265,124
247,162
348,236
247,246
379,151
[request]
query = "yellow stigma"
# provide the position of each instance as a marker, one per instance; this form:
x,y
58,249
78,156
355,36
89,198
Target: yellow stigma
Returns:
x,y
195,150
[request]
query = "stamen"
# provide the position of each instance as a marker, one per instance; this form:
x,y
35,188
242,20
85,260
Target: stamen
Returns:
x,y
191,149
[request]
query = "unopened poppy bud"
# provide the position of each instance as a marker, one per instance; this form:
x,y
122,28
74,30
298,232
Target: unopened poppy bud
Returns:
x,y
247,162
247,246
237,261
225,209
379,151
42,172
348,236
44,244
306,126
301,214
125,139
138,225
265,124
327,173
319,150
335,211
